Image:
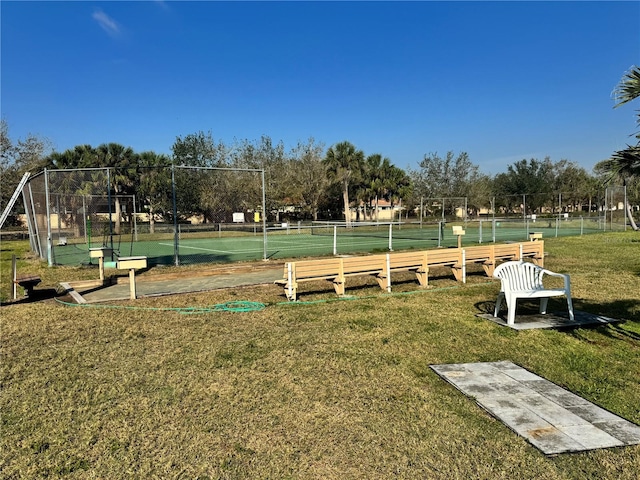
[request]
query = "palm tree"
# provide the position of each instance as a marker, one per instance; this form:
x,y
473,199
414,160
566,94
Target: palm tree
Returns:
x,y
154,185
344,165
625,164
629,87
121,161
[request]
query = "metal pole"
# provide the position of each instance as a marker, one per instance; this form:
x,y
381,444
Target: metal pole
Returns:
x,y
559,211
87,235
335,239
135,221
29,217
625,208
421,212
14,277
391,237
110,213
264,218
36,226
46,193
176,257
466,209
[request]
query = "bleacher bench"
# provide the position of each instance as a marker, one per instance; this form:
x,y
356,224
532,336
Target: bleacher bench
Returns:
x,y
381,266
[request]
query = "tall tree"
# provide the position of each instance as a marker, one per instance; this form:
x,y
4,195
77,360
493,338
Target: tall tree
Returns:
x,y
154,186
16,158
625,164
572,182
198,192
121,162
532,178
344,165
199,150
373,182
309,177
628,89
270,157
622,166
448,177
397,184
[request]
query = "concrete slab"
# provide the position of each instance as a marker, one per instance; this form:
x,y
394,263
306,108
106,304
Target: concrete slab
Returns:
x,y
550,320
549,417
159,285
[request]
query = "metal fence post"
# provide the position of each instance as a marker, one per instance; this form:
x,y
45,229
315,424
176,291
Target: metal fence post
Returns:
x,y
176,256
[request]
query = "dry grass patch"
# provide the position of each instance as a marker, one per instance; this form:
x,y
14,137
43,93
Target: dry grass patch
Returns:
x,y
326,389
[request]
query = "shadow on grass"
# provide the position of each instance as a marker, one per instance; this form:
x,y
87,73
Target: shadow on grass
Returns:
x,y
38,295
619,309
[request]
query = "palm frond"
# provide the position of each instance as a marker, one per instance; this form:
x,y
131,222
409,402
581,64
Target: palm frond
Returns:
x,y
629,87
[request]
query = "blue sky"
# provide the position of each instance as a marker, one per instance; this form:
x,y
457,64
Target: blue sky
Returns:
x,y
502,81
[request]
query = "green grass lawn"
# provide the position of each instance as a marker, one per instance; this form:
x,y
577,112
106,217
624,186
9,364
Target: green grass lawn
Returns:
x,y
320,389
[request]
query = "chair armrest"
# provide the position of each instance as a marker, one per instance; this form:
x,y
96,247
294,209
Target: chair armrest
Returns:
x,y
564,276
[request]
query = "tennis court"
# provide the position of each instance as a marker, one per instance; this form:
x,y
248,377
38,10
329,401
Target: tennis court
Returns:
x,y
307,241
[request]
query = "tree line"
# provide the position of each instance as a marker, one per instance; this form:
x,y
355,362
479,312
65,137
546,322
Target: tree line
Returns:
x,y
320,183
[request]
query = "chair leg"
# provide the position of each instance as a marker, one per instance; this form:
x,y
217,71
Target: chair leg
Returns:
x,y
570,307
496,312
544,301
511,311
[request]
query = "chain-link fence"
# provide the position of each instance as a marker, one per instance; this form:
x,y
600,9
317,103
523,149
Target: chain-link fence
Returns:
x,y
175,218
615,217
186,215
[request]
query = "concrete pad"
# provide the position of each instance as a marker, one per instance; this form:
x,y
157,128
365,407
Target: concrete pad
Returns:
x,y
550,320
549,417
158,285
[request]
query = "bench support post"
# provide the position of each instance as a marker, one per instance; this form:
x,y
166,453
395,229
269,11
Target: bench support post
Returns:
x,y
132,283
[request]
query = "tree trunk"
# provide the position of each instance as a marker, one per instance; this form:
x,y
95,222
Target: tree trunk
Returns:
x,y
630,216
347,212
377,210
118,212
152,221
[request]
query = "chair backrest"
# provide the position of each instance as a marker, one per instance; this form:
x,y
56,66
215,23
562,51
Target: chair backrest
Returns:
x,y
519,276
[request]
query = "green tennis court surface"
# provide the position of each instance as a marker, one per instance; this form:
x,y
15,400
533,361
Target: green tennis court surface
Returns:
x,y
293,243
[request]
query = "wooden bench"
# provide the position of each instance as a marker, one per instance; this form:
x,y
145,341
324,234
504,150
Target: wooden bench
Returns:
x,y
335,270
375,265
410,261
534,250
521,279
447,257
307,271
483,255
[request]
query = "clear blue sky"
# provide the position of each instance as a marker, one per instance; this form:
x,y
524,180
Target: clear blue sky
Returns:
x,y
502,81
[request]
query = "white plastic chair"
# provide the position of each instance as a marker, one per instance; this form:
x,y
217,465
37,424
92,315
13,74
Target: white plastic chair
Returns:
x,y
524,280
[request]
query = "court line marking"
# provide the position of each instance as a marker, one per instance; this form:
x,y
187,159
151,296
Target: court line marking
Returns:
x,y
196,248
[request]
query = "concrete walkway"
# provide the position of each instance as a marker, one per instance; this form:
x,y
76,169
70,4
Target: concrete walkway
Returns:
x,y
156,285
551,418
